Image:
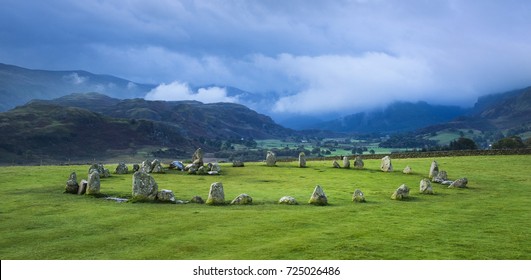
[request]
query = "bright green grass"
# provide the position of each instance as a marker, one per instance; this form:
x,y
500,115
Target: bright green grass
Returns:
x,y
489,220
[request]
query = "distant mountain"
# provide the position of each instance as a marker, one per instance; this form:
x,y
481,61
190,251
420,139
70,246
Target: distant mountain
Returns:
x,y
19,85
397,117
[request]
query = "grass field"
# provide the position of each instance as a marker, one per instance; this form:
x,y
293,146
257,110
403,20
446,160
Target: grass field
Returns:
x,y
489,220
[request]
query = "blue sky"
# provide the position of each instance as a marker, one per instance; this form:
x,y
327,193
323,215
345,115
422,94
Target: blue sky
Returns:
x,y
317,57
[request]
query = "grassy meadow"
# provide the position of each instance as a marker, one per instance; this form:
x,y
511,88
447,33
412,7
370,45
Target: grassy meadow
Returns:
x,y
489,220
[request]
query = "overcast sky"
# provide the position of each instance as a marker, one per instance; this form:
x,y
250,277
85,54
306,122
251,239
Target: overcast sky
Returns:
x,y
316,56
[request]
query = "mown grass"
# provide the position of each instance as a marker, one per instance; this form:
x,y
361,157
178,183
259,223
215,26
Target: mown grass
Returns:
x,y
489,220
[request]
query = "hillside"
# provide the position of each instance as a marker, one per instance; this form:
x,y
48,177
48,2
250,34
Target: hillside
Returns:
x,y
19,85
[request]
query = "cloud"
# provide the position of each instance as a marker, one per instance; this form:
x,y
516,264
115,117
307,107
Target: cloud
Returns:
x,y
177,91
75,79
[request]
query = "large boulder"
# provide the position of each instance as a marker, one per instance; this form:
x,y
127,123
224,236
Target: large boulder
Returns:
x,y
216,195
271,159
358,196
121,168
71,184
144,186
166,196
386,165
287,200
425,186
459,183
401,193
346,162
318,197
93,183
242,199
434,170
302,159
358,162
197,157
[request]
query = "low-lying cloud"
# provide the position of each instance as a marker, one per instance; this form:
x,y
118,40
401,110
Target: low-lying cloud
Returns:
x,y
177,91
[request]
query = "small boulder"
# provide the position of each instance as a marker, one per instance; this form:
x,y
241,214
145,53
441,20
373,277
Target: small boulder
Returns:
x,y
242,199
358,196
144,186
121,168
214,167
93,183
386,165
271,159
459,183
440,177
407,170
71,184
176,165
358,162
425,186
302,159
82,187
434,170
197,199
166,196
401,193
335,164
238,163
216,195
318,197
287,200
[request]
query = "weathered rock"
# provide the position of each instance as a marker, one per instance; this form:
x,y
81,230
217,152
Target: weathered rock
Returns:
x,y
197,157
271,159
386,165
202,170
242,199
358,162
216,195
440,177
407,170
318,197
238,163
156,167
136,167
335,164
144,186
358,196
82,187
97,167
71,184
106,173
191,169
302,160
287,200
214,167
425,186
121,168
197,199
401,193
145,166
346,162
176,165
93,183
459,183
166,196
434,170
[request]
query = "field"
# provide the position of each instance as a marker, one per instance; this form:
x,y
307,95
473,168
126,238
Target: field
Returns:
x,y
489,220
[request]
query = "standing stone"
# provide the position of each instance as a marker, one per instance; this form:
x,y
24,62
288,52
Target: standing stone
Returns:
x,y
425,186
407,170
386,165
144,186
136,167
434,170
358,162
302,159
71,184
271,159
93,183
121,168
156,167
145,166
97,167
242,199
335,164
358,196
346,162
401,193
287,200
197,199
82,187
459,183
238,163
440,177
106,173
214,167
197,157
216,195
318,197
166,196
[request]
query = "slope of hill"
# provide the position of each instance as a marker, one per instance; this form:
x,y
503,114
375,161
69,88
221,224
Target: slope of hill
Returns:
x,y
19,85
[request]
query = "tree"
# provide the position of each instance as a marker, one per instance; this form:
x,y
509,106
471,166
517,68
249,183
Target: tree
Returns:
x,y
463,144
513,142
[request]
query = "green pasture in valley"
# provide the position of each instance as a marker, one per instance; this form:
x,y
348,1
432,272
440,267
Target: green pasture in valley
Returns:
x,y
491,219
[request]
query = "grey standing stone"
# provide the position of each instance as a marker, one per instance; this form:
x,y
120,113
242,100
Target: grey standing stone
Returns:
x,y
93,183
242,199
318,197
459,183
358,162
144,186
145,166
287,200
386,165
346,162
358,196
82,187
216,195
271,159
401,193
434,170
335,164
121,168
425,186
302,160
71,184
197,157
156,167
